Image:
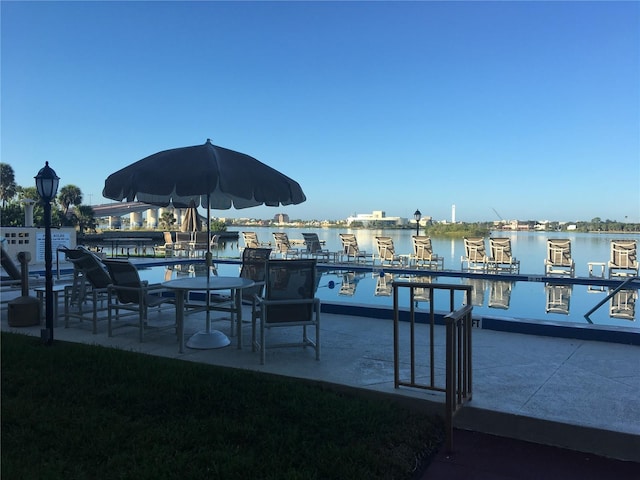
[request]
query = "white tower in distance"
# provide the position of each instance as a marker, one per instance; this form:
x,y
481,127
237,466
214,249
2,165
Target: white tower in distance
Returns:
x,y
453,213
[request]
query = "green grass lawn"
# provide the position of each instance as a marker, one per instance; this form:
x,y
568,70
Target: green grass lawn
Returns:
x,y
77,411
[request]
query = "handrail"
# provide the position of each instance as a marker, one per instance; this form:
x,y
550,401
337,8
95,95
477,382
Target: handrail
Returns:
x,y
458,360
613,292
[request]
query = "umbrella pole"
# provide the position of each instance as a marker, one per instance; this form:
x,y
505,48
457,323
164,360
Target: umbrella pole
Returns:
x,y
208,260
209,338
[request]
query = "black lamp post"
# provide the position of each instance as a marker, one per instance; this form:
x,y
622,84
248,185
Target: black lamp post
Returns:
x,y
417,215
47,185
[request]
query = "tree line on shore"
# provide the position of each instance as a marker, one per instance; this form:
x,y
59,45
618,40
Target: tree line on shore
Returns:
x,y
69,211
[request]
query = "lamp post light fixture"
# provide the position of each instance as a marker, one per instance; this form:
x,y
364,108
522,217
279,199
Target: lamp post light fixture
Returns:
x,y
417,215
47,185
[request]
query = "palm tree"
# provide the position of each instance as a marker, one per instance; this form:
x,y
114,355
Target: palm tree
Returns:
x,y
69,195
8,185
167,220
85,217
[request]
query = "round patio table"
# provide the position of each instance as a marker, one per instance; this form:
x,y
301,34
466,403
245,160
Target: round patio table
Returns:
x,y
208,338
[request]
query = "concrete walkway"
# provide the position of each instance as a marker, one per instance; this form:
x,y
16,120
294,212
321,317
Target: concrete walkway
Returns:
x,y
575,394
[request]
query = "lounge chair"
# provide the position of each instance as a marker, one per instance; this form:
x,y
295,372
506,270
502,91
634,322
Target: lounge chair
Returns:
x,y
129,293
475,254
624,258
90,284
559,260
201,244
387,252
558,298
500,294
14,277
181,245
167,249
314,248
350,248
289,300
423,255
283,246
502,258
251,241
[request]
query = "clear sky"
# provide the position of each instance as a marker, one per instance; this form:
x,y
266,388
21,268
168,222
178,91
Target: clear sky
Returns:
x,y
528,108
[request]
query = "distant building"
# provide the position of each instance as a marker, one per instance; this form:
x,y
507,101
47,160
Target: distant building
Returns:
x,y
377,218
281,218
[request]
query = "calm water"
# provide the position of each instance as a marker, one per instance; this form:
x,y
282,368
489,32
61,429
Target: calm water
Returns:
x,y
528,247
525,300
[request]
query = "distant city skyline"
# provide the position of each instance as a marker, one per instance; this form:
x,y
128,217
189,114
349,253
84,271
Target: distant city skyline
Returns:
x,y
529,109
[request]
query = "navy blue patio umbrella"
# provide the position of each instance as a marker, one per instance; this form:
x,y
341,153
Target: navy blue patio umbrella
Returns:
x,y
206,175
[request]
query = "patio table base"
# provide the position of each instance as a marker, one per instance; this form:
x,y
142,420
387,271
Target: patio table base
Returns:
x,y
204,340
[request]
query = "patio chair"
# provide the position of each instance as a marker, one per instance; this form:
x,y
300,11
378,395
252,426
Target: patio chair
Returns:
x,y
558,298
350,248
475,254
502,258
127,292
199,244
623,304
289,301
314,248
423,255
251,241
90,284
283,246
253,268
387,252
559,260
500,294
167,248
624,258
14,277
181,245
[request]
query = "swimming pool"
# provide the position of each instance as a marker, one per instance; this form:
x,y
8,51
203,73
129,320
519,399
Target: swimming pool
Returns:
x,y
519,300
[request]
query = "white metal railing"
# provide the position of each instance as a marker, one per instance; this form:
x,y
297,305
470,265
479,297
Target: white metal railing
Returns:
x,y
457,357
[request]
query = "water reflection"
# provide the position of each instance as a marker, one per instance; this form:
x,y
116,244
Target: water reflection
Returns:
x,y
384,284
350,283
500,294
558,298
479,288
529,300
623,304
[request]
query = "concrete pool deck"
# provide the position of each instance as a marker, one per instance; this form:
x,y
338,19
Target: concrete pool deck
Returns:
x,y
576,394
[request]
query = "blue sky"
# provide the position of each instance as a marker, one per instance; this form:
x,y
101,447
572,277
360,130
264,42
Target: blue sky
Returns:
x,y
528,108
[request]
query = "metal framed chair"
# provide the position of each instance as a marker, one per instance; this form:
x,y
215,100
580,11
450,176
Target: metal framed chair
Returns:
x,y
502,258
624,258
254,268
283,246
314,248
423,255
350,248
475,255
90,284
288,301
559,260
387,252
127,292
